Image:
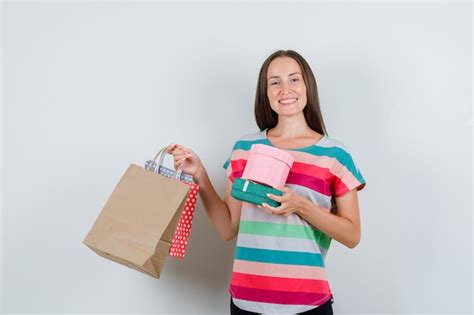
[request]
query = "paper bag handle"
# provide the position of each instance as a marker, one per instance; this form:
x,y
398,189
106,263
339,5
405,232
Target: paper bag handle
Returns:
x,y
161,154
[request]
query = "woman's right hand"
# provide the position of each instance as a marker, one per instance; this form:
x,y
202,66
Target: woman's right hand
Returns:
x,y
185,158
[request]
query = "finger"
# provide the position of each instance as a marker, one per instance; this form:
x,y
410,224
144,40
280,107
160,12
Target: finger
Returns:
x,y
187,151
170,148
285,189
268,208
176,166
276,198
265,207
179,156
179,163
178,147
183,153
177,151
174,149
182,148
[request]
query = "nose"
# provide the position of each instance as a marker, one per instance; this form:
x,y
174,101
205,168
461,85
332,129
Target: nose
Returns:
x,y
285,88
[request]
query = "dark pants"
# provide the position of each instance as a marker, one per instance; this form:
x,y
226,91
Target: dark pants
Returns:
x,y
324,309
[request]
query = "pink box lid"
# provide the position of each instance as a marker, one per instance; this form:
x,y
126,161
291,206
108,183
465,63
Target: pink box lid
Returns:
x,y
276,153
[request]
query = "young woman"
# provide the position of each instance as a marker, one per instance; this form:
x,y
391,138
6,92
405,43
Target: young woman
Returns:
x,y
279,259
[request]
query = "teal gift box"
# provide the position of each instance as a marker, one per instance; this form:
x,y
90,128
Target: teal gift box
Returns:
x,y
248,191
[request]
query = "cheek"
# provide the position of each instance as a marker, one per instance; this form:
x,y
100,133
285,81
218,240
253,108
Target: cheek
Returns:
x,y
271,96
304,96
303,93
302,89
271,93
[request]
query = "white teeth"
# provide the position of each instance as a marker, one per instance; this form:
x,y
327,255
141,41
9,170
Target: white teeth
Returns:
x,y
288,101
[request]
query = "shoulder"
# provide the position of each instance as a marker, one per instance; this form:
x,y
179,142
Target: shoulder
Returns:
x,y
252,136
346,174
243,144
246,141
336,150
343,157
331,142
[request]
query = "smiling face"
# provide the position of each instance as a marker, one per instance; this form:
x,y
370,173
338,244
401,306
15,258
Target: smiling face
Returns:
x,y
286,89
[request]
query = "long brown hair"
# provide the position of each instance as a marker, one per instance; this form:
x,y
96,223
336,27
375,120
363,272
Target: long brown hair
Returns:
x,y
264,114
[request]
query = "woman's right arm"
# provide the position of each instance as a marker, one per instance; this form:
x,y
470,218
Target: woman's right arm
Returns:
x,y
224,214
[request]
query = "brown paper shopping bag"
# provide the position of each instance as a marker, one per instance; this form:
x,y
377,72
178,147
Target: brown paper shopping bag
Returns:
x,y
136,226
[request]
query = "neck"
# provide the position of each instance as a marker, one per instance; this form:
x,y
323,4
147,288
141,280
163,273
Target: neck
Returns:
x,y
291,127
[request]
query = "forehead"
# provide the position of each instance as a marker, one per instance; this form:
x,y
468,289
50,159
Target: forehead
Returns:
x,y
283,66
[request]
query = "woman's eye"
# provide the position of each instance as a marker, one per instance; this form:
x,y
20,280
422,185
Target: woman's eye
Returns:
x,y
295,80
273,83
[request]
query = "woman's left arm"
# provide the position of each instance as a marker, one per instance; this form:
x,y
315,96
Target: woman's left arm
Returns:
x,y
343,227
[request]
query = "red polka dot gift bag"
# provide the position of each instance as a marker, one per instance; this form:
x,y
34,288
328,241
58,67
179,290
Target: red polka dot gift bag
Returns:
x,y
181,235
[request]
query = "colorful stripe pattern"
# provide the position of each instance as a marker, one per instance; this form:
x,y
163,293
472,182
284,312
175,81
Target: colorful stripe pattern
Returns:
x,y
279,261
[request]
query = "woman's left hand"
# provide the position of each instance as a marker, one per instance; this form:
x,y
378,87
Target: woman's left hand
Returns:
x,y
291,202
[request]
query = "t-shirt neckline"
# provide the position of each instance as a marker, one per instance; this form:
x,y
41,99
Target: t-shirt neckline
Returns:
x,y
294,149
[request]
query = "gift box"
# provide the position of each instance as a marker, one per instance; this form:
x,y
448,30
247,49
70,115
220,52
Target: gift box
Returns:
x,y
248,191
268,165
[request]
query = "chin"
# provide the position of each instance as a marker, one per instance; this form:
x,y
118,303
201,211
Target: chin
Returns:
x,y
288,114
289,111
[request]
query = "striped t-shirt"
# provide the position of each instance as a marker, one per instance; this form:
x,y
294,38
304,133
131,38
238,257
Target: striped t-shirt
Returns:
x,y
279,260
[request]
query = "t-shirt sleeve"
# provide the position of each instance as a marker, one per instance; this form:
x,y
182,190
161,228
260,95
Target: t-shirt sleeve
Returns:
x,y
229,164
228,167
346,175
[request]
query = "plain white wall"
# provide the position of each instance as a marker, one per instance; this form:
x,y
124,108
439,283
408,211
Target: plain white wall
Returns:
x,y
89,88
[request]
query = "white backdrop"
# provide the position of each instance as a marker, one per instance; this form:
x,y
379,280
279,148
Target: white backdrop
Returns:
x,y
90,87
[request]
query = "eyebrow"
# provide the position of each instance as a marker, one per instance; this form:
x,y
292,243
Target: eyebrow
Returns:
x,y
277,76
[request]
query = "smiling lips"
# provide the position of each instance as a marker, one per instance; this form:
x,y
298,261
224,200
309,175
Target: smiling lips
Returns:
x,y
288,101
